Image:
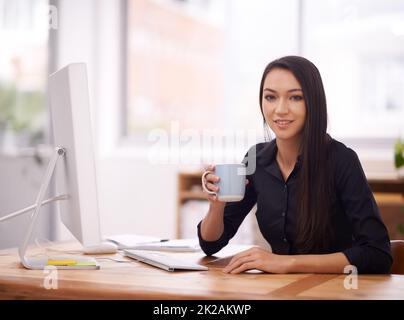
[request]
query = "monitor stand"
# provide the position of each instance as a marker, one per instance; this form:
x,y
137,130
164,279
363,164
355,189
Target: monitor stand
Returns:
x,y
43,262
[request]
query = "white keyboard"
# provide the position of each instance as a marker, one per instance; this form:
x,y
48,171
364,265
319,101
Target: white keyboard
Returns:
x,y
163,261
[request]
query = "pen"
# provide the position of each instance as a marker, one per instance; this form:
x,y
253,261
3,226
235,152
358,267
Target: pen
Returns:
x,y
158,241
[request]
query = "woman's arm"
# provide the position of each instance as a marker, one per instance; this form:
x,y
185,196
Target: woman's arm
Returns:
x,y
221,224
212,225
370,251
319,263
223,219
261,259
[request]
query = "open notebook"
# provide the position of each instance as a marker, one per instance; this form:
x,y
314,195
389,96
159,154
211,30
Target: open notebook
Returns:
x,y
138,242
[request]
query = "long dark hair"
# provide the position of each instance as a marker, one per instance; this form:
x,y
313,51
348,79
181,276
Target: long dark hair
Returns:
x,y
313,227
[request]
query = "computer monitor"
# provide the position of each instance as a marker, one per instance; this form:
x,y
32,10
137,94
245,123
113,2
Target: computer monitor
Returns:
x,y
73,167
76,175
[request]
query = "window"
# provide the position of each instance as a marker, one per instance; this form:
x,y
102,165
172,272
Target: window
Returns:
x,y
199,63
174,54
358,48
23,65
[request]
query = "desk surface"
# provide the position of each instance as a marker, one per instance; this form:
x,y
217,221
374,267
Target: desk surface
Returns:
x,y
135,280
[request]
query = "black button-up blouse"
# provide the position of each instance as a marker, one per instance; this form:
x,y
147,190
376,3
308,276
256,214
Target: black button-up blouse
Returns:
x,y
358,230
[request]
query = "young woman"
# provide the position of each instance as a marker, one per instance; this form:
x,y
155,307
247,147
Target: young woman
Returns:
x,y
314,205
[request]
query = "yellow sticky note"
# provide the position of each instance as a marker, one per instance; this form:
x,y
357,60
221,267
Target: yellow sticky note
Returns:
x,y
61,262
85,263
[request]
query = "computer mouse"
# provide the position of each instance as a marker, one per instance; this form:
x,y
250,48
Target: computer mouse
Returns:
x,y
102,248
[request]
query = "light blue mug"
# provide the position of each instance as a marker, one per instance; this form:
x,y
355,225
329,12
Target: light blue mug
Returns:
x,y
231,183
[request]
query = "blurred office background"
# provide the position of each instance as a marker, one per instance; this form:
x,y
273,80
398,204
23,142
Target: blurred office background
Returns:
x,y
176,65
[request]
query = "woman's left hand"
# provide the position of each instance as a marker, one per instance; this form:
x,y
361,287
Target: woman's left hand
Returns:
x,y
261,259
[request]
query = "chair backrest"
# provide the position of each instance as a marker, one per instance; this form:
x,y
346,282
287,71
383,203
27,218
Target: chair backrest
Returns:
x,y
397,250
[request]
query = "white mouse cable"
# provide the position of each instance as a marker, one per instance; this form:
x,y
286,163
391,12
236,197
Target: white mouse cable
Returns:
x,y
30,208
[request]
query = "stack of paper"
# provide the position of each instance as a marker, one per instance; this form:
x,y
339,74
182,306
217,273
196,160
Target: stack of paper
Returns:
x,y
127,241
139,242
179,245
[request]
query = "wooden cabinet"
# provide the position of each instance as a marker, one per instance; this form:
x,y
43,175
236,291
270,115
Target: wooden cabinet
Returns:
x,y
189,188
389,195
387,186
391,207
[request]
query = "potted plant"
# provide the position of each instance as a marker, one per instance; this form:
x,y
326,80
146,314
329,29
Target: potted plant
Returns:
x,y
399,164
399,156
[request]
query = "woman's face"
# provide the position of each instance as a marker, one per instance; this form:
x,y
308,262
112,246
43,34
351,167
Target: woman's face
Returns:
x,y
283,104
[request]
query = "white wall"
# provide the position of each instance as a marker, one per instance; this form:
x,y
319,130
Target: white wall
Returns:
x,y
20,178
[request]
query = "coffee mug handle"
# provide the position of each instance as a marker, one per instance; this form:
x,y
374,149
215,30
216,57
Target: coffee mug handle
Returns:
x,y
203,183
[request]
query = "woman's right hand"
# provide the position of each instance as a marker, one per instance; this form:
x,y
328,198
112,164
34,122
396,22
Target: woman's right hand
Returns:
x,y
212,225
210,182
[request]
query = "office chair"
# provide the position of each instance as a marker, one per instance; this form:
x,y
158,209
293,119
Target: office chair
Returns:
x,y
397,250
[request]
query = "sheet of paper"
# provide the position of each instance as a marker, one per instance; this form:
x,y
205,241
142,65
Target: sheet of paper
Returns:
x,y
179,245
125,241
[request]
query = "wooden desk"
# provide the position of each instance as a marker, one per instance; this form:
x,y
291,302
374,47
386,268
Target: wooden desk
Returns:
x,y
135,280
